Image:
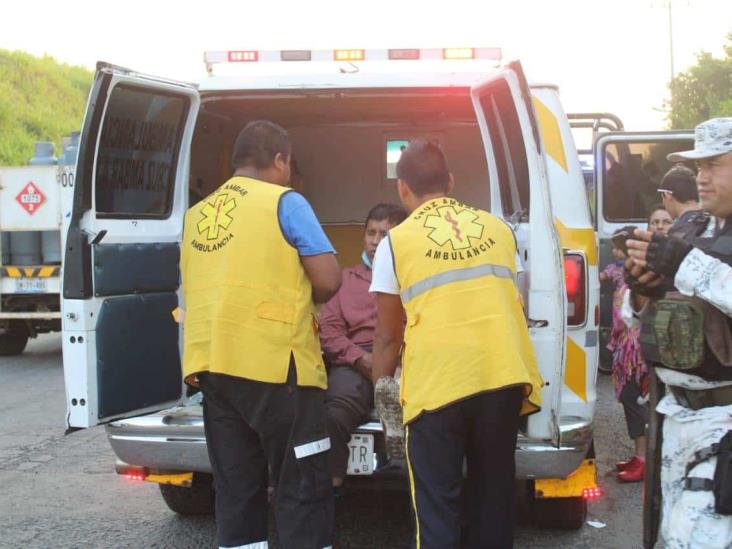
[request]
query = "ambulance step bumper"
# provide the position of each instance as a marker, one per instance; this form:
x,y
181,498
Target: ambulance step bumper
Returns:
x,y
167,441
537,459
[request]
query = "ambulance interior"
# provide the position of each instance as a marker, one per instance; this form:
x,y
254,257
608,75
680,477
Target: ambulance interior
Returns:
x,y
345,145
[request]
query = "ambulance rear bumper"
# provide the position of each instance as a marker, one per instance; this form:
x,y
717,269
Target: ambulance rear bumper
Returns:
x,y
166,442
537,459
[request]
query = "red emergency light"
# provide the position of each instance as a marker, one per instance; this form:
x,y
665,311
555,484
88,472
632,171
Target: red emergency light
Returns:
x,y
404,54
592,493
243,56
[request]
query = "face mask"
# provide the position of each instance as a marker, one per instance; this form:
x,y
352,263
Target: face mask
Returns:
x,y
365,259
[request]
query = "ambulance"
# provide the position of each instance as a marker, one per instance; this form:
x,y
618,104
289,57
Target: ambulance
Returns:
x,y
150,147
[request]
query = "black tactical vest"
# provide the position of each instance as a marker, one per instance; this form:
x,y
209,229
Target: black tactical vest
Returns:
x,y
691,228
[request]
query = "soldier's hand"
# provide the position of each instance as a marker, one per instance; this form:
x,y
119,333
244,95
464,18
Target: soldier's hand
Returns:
x,y
638,246
641,281
660,254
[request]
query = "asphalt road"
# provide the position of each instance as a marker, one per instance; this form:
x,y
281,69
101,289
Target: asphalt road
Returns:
x,y
61,491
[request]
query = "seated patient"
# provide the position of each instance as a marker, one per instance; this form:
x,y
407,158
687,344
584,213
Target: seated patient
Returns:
x,y
347,324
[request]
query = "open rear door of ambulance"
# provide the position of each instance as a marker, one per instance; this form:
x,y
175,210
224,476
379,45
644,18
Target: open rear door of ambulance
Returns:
x,y
519,194
120,342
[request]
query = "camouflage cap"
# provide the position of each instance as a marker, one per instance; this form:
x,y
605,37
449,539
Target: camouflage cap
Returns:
x,y
711,138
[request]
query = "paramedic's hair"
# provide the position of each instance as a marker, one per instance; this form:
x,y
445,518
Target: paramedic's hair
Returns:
x,y
393,213
423,167
258,144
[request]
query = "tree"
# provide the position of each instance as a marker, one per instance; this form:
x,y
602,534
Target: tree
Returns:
x,y
702,92
40,100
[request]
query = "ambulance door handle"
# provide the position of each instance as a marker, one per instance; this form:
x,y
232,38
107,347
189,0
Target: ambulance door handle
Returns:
x,y
97,236
531,323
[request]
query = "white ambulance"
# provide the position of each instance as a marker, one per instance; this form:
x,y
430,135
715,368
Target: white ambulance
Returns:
x,y
149,145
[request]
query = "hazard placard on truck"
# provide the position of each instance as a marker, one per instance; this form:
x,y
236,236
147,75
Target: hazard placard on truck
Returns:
x,y
32,200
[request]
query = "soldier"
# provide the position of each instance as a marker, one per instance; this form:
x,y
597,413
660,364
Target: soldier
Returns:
x,y
694,362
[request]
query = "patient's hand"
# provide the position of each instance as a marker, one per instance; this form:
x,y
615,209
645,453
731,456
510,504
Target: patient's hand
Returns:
x,y
364,364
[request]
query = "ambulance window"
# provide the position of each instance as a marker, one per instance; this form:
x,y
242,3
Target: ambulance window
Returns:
x,y
508,149
394,150
632,173
138,153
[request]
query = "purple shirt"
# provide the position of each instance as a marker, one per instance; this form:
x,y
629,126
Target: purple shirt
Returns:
x,y
348,320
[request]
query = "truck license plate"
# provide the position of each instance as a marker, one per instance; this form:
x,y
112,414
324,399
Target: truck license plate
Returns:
x,y
361,458
31,286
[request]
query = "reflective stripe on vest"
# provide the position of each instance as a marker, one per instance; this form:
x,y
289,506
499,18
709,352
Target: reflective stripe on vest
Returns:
x,y
455,275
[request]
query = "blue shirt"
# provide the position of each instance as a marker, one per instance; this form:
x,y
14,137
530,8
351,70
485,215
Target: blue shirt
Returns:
x,y
300,226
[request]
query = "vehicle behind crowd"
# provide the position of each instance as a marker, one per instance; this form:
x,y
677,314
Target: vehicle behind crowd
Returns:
x,y
150,147
623,171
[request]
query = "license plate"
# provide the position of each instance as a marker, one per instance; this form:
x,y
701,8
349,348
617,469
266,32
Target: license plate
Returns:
x,y
31,286
361,457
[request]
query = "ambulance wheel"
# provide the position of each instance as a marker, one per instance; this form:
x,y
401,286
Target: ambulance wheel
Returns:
x,y
196,500
13,342
560,513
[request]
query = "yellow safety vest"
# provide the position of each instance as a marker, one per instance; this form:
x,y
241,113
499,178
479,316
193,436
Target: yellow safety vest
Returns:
x,y
466,331
248,300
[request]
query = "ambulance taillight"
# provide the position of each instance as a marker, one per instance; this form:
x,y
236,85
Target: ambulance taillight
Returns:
x,y
575,280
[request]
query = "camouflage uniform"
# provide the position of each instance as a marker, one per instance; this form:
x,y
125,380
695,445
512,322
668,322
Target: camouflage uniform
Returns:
x,y
688,517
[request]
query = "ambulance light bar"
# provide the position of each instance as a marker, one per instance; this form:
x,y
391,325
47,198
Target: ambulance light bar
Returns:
x,y
211,58
349,55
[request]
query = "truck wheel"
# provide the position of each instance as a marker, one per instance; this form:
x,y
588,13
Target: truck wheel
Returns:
x,y
560,513
12,343
196,500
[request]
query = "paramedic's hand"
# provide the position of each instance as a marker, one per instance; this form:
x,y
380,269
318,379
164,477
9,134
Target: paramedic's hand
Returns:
x,y
364,365
660,254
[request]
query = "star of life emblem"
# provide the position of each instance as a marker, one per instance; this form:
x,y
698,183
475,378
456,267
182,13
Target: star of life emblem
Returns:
x,y
455,226
216,216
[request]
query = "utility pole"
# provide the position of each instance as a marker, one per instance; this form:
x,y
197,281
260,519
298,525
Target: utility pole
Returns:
x,y
671,38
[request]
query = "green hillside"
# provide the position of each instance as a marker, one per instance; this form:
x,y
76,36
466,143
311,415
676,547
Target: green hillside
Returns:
x,y
40,100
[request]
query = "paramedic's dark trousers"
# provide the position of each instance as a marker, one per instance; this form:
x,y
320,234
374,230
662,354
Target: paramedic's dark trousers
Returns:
x,y
482,429
251,424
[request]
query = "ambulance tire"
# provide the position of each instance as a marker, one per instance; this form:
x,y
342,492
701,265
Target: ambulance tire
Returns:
x,y
12,344
560,513
196,500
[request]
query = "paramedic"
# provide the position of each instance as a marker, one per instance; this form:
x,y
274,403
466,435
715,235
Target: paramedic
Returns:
x,y
468,370
254,263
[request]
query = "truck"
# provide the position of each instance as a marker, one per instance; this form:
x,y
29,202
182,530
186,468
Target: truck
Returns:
x,y
32,199
150,146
